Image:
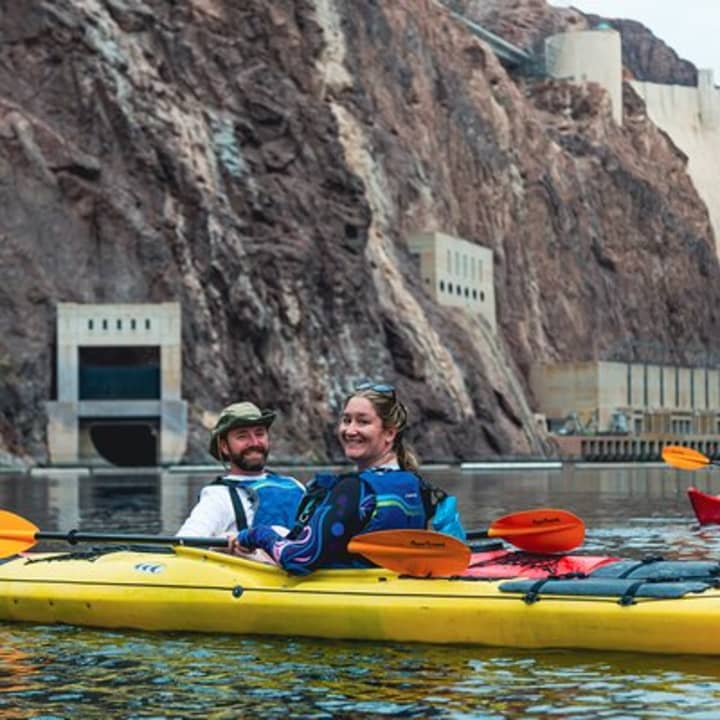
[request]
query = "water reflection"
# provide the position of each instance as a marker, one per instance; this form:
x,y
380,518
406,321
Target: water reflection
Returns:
x,y
626,509
85,673
61,672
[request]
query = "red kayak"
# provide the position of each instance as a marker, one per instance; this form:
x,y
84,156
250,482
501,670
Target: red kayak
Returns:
x,y
706,507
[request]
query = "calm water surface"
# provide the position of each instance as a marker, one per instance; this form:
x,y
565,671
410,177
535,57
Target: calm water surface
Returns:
x,y
64,672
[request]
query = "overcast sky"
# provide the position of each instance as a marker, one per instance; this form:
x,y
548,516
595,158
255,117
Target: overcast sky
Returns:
x,y
690,27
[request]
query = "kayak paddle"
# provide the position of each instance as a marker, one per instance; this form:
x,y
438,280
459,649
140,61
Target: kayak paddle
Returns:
x,y
543,530
686,458
410,552
420,553
426,553
18,534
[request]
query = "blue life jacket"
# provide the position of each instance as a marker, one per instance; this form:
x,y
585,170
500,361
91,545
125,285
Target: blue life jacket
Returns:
x,y
446,518
399,500
276,499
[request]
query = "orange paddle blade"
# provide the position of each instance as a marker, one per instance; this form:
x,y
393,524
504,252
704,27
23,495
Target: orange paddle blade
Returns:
x,y
684,458
421,553
16,534
543,530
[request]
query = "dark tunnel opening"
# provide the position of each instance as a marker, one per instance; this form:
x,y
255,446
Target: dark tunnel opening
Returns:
x,y
127,444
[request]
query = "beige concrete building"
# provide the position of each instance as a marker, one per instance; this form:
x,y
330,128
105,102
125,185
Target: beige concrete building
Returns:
x,y
588,56
457,273
118,382
647,399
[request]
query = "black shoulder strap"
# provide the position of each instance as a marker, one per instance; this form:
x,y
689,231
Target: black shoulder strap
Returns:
x,y
240,519
431,496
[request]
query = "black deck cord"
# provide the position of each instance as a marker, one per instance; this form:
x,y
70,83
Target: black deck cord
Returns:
x,y
649,560
533,594
628,597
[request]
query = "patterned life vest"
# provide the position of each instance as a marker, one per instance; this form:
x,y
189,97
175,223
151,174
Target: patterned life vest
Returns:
x,y
398,498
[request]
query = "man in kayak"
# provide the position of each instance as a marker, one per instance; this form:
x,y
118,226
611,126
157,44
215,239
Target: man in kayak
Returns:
x,y
248,494
384,493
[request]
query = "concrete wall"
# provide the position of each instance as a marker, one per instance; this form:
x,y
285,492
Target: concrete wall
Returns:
x,y
654,386
588,56
612,391
636,392
563,389
691,117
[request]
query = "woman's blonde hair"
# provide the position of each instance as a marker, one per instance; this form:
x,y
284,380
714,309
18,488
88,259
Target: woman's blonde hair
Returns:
x,y
392,414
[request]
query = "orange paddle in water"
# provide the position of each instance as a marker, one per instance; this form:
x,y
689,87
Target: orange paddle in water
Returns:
x,y
686,458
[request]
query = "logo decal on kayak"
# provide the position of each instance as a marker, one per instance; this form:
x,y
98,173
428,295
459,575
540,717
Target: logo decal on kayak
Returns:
x,y
150,568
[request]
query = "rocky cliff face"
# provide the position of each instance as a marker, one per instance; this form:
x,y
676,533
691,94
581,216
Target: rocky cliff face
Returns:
x,y
264,163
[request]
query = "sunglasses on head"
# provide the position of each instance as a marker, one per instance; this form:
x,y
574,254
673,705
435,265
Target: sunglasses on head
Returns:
x,y
382,388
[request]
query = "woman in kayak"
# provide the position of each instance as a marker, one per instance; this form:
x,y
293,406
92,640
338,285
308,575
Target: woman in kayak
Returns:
x,y
384,493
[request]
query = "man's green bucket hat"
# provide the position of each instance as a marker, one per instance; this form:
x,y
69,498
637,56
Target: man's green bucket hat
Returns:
x,y
242,414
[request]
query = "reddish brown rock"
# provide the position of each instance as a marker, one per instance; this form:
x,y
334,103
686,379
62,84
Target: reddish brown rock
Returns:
x,y
263,163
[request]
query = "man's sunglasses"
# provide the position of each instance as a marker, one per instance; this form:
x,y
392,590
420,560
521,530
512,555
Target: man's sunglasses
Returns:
x,y
382,388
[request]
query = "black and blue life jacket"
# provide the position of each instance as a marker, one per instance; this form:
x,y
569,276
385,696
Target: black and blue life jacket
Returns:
x,y
397,499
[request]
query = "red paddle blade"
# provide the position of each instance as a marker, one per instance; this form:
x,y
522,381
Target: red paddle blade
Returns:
x,y
684,458
543,530
420,553
16,534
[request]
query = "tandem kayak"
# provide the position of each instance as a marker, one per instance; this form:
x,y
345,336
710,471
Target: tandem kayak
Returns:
x,y
705,506
504,599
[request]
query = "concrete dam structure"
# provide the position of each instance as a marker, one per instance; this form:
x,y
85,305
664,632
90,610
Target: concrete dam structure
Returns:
x,y
689,115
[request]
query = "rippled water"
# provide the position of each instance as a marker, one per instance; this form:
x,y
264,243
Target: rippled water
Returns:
x,y
65,672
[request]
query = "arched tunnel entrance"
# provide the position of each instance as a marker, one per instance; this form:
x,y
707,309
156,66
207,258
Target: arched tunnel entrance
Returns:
x,y
117,374
126,442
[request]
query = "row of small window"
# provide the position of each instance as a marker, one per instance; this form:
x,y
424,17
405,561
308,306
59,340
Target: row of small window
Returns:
x,y
463,263
105,324
459,291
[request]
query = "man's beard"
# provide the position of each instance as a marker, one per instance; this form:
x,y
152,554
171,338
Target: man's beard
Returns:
x,y
250,465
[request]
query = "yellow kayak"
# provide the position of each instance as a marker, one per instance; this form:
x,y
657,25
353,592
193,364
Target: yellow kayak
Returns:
x,y
668,607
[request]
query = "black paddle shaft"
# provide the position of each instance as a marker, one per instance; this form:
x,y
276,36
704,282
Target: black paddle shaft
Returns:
x,y
76,536
477,534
